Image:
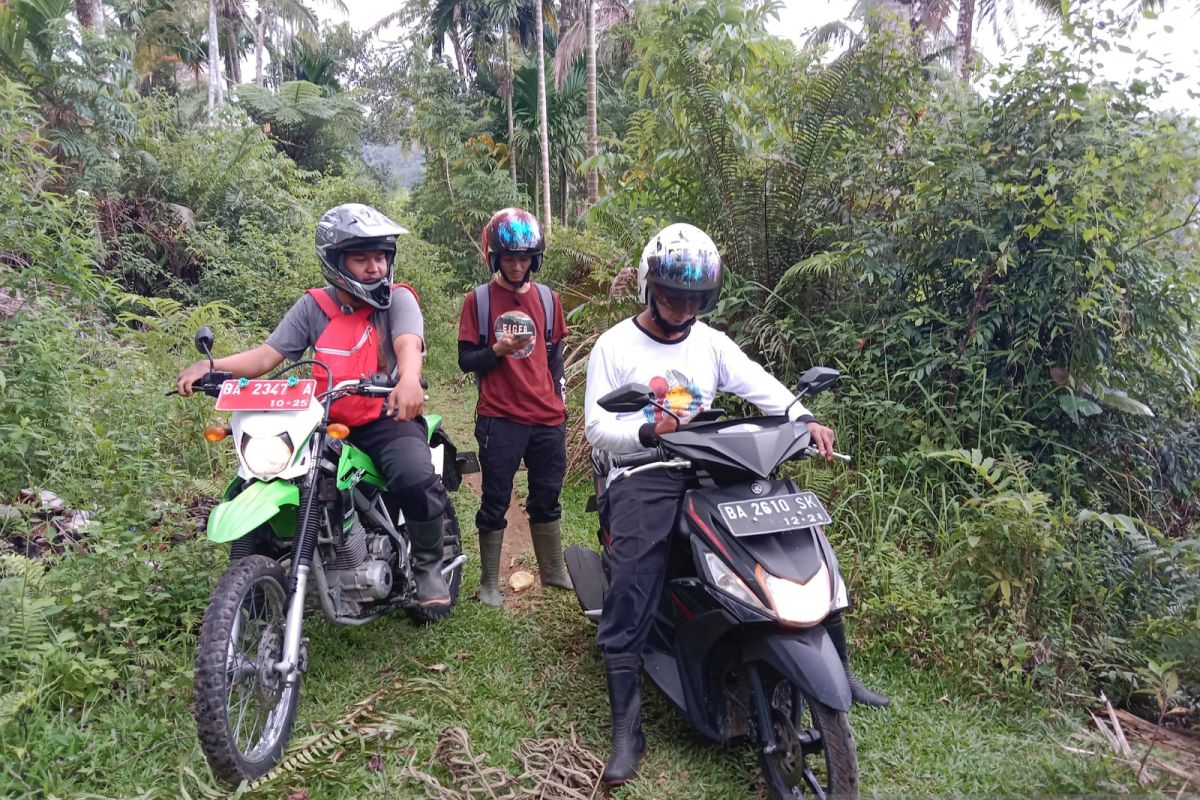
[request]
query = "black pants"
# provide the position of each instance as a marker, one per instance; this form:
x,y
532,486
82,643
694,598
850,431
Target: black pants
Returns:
x,y
640,512
400,449
502,446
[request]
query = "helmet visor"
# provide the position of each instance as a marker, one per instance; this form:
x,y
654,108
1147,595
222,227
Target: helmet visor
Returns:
x,y
684,302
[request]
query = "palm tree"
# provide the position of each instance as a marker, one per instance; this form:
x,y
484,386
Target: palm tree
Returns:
x,y
583,35
507,13
444,19
593,177
215,95
542,125
908,20
971,12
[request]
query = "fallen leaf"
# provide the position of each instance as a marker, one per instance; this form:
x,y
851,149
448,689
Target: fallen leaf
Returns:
x,y
462,655
375,764
520,580
438,667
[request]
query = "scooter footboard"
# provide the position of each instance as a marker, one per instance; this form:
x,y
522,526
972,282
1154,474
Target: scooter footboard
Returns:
x,y
806,657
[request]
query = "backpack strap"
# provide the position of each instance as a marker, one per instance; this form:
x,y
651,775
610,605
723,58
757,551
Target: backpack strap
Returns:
x,y
483,309
547,296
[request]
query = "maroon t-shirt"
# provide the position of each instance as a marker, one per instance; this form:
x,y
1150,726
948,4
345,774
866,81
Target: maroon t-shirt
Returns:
x,y
520,387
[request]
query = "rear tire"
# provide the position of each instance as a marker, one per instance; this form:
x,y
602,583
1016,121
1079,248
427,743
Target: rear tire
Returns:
x,y
816,745
244,711
451,549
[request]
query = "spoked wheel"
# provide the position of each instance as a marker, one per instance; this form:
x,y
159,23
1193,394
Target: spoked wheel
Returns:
x,y
244,707
451,549
815,752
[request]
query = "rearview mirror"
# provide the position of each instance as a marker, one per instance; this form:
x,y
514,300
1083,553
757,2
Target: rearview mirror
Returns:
x,y
630,397
204,340
817,380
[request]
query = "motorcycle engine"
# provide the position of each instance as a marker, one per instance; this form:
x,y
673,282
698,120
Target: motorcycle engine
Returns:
x,y
358,569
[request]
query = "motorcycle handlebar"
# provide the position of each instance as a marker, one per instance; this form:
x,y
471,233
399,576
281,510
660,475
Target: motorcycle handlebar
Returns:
x,y
638,459
813,452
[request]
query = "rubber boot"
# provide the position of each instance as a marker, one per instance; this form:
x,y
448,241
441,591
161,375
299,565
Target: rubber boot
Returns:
x,y
547,546
625,698
426,538
490,543
835,626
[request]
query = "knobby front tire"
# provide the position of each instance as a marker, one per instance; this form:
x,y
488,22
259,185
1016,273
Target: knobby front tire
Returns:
x,y
244,709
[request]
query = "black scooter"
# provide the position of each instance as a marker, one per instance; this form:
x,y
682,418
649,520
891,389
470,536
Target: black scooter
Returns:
x,y
736,644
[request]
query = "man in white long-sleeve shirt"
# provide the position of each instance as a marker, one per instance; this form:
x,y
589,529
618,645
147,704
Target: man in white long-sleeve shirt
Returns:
x,y
685,363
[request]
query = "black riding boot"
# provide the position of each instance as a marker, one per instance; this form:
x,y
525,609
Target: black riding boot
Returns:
x,y
836,628
625,698
426,538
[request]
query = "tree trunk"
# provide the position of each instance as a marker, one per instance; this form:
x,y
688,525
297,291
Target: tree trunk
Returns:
x,y
84,12
543,130
508,102
966,26
565,194
460,59
90,14
593,177
260,32
214,62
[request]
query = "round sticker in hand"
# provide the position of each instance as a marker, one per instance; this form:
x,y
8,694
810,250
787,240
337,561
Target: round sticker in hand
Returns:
x,y
518,324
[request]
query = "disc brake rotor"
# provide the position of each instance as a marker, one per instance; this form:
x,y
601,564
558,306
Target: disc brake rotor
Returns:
x,y
270,682
790,755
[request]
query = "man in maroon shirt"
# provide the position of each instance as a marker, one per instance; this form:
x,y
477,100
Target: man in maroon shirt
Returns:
x,y
510,335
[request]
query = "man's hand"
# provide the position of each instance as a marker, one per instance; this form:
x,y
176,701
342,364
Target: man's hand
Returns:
x,y
190,375
667,424
406,399
822,439
509,344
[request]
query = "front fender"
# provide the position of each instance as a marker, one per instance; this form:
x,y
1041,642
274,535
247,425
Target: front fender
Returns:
x,y
807,658
258,503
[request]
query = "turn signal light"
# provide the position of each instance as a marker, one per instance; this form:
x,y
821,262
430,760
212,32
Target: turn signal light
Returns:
x,y
337,431
215,433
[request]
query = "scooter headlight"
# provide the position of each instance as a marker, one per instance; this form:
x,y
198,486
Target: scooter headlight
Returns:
x,y
267,455
729,583
803,604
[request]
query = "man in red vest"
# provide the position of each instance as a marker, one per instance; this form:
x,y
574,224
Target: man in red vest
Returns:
x,y
360,324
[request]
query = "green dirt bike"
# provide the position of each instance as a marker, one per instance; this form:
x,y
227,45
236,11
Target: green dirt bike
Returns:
x,y
310,528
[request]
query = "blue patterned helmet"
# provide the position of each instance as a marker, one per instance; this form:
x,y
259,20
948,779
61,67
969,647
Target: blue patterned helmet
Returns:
x,y
513,232
680,260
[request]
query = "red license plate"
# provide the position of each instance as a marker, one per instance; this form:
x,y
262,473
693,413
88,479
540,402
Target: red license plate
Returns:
x,y
263,395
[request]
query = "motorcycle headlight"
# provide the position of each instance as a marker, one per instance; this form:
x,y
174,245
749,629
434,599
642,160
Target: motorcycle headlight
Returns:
x,y
729,583
799,603
267,455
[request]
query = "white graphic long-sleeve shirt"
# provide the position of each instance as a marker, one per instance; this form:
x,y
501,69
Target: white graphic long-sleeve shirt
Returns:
x,y
685,375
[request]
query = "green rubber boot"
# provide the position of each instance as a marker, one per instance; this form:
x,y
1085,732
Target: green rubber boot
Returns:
x,y
490,543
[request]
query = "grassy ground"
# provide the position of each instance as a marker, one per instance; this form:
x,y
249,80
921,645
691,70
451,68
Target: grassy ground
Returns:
x,y
533,673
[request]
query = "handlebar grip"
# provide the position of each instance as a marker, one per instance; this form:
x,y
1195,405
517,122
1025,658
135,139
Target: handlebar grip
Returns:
x,y
638,459
813,452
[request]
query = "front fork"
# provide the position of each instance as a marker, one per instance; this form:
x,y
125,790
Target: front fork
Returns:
x,y
309,521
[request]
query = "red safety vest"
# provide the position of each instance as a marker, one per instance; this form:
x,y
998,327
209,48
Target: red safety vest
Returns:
x,y
350,346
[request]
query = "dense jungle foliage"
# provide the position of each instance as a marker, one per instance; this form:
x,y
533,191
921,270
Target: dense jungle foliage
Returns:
x,y
1004,270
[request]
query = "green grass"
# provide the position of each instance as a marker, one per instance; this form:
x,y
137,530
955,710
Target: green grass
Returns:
x,y
507,676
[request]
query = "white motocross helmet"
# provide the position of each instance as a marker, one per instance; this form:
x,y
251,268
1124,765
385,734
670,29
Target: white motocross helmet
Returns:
x,y
680,262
